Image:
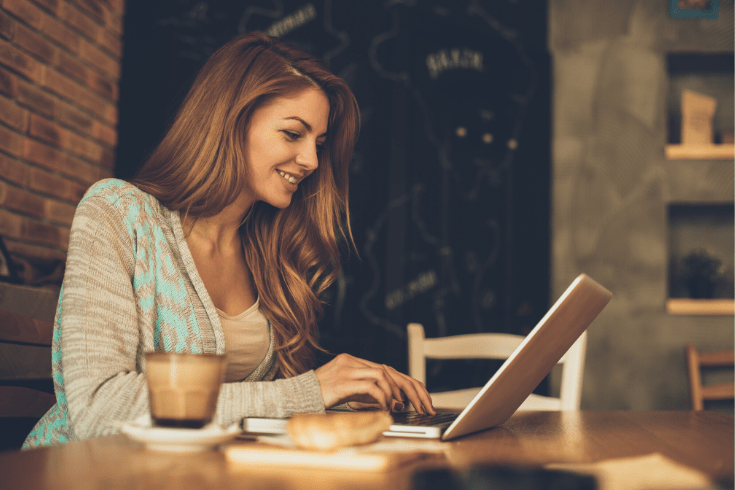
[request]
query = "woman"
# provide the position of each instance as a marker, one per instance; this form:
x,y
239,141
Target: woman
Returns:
x,y
222,243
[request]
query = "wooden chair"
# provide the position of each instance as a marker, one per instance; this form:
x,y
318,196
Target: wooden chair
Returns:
x,y
492,346
695,362
26,389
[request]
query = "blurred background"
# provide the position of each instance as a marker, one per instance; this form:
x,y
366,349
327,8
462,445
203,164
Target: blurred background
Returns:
x,y
506,147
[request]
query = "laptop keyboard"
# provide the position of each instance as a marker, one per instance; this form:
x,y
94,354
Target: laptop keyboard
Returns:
x,y
415,418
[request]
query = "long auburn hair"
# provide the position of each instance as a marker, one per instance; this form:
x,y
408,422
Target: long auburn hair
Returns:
x,y
199,168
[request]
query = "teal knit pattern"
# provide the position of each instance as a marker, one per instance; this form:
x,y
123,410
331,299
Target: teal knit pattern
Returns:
x,y
131,287
55,419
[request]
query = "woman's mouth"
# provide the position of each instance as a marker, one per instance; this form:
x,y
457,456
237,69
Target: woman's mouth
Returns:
x,y
288,177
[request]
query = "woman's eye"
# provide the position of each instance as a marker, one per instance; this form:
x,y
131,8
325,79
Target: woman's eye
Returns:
x,y
292,135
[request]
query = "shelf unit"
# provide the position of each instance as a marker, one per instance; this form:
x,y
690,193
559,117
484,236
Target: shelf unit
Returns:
x,y
687,306
702,235
700,152
709,74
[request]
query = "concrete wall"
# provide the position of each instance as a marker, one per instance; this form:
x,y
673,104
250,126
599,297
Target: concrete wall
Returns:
x,y
612,184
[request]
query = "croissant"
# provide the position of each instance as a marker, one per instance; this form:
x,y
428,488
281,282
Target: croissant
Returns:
x,y
330,431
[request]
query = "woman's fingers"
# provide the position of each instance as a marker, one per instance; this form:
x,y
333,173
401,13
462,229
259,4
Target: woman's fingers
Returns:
x,y
395,389
419,398
379,378
414,390
424,399
346,378
397,393
374,392
349,379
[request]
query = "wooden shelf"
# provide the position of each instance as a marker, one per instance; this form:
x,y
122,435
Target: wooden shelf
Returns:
x,y
686,306
700,152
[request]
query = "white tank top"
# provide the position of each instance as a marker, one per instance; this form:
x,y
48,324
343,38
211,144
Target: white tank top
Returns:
x,y
246,341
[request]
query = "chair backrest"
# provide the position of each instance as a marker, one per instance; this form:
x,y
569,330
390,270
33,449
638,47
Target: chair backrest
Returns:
x,y
492,346
696,361
17,400
26,331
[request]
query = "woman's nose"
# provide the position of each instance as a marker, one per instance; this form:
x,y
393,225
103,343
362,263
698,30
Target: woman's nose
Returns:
x,y
308,158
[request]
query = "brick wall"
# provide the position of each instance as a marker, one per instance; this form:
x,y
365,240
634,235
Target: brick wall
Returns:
x,y
59,72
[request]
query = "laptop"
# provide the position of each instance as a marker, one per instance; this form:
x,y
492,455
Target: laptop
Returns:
x,y
519,375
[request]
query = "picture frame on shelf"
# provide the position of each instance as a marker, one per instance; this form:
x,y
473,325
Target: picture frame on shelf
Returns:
x,y
694,9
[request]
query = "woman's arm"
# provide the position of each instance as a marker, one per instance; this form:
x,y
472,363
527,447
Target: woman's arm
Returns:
x,y
100,337
277,399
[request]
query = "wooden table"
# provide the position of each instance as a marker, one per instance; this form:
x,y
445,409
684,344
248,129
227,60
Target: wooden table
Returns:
x,y
702,440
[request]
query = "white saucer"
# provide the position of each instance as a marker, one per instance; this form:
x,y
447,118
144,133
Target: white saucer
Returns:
x,y
176,439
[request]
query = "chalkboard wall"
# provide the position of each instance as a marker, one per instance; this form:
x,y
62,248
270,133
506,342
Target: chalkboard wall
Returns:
x,y
449,187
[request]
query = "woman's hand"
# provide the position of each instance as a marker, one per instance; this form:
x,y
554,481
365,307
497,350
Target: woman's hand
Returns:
x,y
350,379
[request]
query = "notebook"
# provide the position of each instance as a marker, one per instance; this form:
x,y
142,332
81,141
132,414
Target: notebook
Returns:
x,y
519,375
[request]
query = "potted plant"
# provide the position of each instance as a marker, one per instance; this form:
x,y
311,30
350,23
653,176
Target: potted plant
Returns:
x,y
699,273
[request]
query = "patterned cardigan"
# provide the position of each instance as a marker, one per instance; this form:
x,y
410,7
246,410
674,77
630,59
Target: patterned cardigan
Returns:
x,y
131,287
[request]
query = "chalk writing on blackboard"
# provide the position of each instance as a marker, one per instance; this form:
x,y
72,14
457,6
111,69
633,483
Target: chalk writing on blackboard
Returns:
x,y
274,13
449,59
191,31
377,41
347,73
471,101
514,94
287,24
422,283
368,306
300,28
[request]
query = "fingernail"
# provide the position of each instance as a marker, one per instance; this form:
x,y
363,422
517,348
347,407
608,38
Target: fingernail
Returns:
x,y
398,406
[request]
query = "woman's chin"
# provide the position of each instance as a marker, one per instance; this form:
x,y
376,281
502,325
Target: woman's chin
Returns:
x,y
280,203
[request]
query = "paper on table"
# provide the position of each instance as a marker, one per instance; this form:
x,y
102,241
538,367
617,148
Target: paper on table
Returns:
x,y
653,471
379,456
385,444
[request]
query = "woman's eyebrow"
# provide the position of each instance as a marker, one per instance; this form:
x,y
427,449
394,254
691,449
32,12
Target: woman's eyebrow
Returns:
x,y
306,124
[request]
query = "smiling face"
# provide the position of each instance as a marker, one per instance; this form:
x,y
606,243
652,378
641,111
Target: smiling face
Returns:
x,y
282,146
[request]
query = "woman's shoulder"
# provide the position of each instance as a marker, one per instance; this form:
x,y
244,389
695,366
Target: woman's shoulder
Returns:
x,y
122,196
125,207
114,191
